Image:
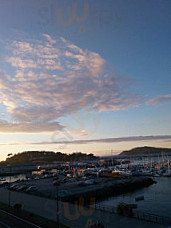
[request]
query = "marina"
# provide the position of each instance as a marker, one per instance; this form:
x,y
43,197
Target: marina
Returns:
x,y
112,181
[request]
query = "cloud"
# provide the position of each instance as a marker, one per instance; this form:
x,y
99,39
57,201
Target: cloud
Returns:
x,y
105,140
12,127
160,99
43,80
115,140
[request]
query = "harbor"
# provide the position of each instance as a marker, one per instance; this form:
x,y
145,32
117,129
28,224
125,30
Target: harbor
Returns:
x,y
102,185
85,114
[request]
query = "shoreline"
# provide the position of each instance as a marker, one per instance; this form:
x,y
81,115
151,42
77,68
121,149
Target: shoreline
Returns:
x,y
71,214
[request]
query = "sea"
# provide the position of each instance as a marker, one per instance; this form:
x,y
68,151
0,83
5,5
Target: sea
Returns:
x,y
157,198
15,177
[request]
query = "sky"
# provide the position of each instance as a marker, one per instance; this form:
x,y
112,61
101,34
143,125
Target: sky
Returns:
x,y
89,76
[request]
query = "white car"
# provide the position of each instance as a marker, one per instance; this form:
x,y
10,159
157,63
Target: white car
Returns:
x,y
31,189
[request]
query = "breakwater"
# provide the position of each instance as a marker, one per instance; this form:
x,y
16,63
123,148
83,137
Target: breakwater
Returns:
x,y
111,188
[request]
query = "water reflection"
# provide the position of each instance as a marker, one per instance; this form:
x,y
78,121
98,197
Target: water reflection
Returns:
x,y
157,198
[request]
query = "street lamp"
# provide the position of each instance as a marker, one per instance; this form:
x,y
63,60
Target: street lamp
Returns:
x,y
57,202
9,196
57,205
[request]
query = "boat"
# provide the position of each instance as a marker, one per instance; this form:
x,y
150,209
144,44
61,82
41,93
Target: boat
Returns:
x,y
138,198
167,174
156,175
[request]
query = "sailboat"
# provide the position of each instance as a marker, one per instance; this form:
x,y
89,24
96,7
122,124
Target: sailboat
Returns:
x,y
168,172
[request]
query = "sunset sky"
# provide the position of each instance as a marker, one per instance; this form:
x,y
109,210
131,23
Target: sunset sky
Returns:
x,y
89,76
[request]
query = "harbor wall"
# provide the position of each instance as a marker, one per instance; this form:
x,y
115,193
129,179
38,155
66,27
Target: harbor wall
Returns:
x,y
109,189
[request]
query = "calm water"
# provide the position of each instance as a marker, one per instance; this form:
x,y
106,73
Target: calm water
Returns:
x,y
15,178
157,198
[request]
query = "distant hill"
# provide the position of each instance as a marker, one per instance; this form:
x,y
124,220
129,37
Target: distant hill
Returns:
x,y
44,157
145,150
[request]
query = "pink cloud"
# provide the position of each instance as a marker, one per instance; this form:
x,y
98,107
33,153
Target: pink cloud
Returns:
x,y
23,127
160,99
54,78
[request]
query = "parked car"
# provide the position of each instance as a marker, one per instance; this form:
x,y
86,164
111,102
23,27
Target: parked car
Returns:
x,y
31,188
21,188
12,186
36,178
